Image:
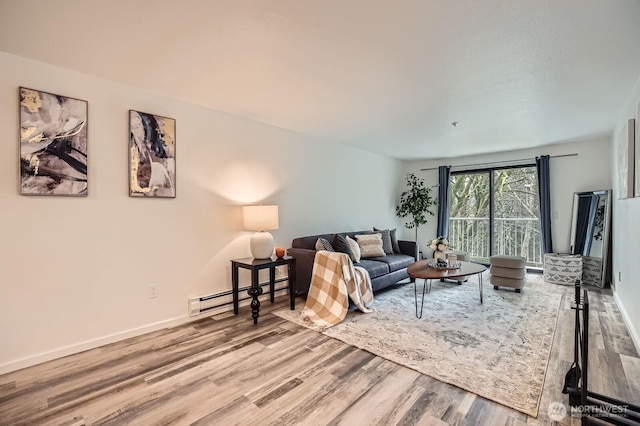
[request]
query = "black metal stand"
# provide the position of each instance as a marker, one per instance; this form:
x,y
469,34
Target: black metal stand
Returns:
x,y
594,408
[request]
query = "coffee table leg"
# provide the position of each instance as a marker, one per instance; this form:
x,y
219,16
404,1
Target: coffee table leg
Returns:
x,y
480,285
415,294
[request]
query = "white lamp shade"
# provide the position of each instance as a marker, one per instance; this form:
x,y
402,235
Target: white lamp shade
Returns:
x,y
260,218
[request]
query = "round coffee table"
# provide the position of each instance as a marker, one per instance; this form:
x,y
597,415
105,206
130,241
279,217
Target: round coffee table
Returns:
x,y
422,270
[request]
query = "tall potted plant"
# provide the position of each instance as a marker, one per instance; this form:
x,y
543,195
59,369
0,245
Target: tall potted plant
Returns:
x,y
416,203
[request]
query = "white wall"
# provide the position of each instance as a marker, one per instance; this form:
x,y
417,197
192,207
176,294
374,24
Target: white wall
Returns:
x,y
626,234
74,272
589,170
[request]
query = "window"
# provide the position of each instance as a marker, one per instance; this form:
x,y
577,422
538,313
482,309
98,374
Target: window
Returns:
x,y
496,211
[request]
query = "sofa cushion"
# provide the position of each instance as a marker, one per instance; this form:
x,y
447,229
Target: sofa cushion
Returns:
x,y
340,244
387,245
394,241
309,242
323,244
370,245
395,261
355,249
375,269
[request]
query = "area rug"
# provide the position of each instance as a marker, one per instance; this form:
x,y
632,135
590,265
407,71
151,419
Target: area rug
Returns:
x,y
498,350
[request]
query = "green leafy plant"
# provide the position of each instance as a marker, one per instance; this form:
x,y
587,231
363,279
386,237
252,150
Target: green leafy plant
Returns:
x,y
416,203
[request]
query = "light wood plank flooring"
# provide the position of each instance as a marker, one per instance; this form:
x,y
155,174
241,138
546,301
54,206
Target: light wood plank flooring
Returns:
x,y
224,370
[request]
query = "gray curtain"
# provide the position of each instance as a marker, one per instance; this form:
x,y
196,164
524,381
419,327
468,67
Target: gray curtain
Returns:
x,y
544,194
444,175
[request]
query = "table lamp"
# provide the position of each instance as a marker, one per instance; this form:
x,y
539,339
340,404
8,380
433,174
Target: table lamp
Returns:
x,y
260,219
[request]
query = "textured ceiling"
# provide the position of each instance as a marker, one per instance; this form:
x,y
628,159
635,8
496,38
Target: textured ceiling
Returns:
x,y
384,76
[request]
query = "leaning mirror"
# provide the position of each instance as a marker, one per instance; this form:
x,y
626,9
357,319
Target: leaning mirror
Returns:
x,y
590,234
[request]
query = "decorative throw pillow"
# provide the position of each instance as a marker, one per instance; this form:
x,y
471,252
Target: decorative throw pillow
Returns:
x,y
339,243
395,247
370,245
355,249
322,244
394,241
386,240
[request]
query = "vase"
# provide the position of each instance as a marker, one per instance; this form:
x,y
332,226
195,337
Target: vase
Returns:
x,y
438,254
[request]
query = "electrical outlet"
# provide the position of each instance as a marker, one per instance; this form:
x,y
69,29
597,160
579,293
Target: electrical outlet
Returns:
x,y
153,291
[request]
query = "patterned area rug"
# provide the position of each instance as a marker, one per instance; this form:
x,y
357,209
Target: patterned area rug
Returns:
x,y
498,350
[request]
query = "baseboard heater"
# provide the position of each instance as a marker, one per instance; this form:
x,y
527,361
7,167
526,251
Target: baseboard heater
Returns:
x,y
223,301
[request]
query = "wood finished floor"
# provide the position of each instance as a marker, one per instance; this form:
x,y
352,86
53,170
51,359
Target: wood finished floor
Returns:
x,y
223,370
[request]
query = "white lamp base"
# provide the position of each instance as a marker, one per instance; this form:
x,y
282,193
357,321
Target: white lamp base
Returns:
x,y
262,245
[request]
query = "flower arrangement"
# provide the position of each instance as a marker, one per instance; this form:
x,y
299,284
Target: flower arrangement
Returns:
x,y
439,245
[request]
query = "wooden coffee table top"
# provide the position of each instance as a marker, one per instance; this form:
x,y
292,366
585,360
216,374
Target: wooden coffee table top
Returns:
x,y
422,270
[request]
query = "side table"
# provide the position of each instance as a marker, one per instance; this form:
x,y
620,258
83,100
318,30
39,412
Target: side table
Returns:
x,y
255,265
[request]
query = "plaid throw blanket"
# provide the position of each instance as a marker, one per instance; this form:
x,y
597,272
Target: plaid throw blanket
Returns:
x,y
334,279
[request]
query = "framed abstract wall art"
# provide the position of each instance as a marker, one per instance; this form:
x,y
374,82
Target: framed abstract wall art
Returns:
x,y
53,144
152,155
626,168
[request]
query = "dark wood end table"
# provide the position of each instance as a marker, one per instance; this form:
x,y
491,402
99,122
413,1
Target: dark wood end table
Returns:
x,y
255,265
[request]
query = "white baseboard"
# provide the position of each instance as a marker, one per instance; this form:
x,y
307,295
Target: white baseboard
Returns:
x,y
632,331
104,340
116,337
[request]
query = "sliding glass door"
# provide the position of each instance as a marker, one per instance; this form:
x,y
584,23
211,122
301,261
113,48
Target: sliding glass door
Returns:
x,y
469,214
496,211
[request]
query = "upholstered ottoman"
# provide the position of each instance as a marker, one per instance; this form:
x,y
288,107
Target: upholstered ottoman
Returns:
x,y
507,271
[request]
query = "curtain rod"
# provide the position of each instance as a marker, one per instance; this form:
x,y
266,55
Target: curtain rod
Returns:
x,y
501,162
